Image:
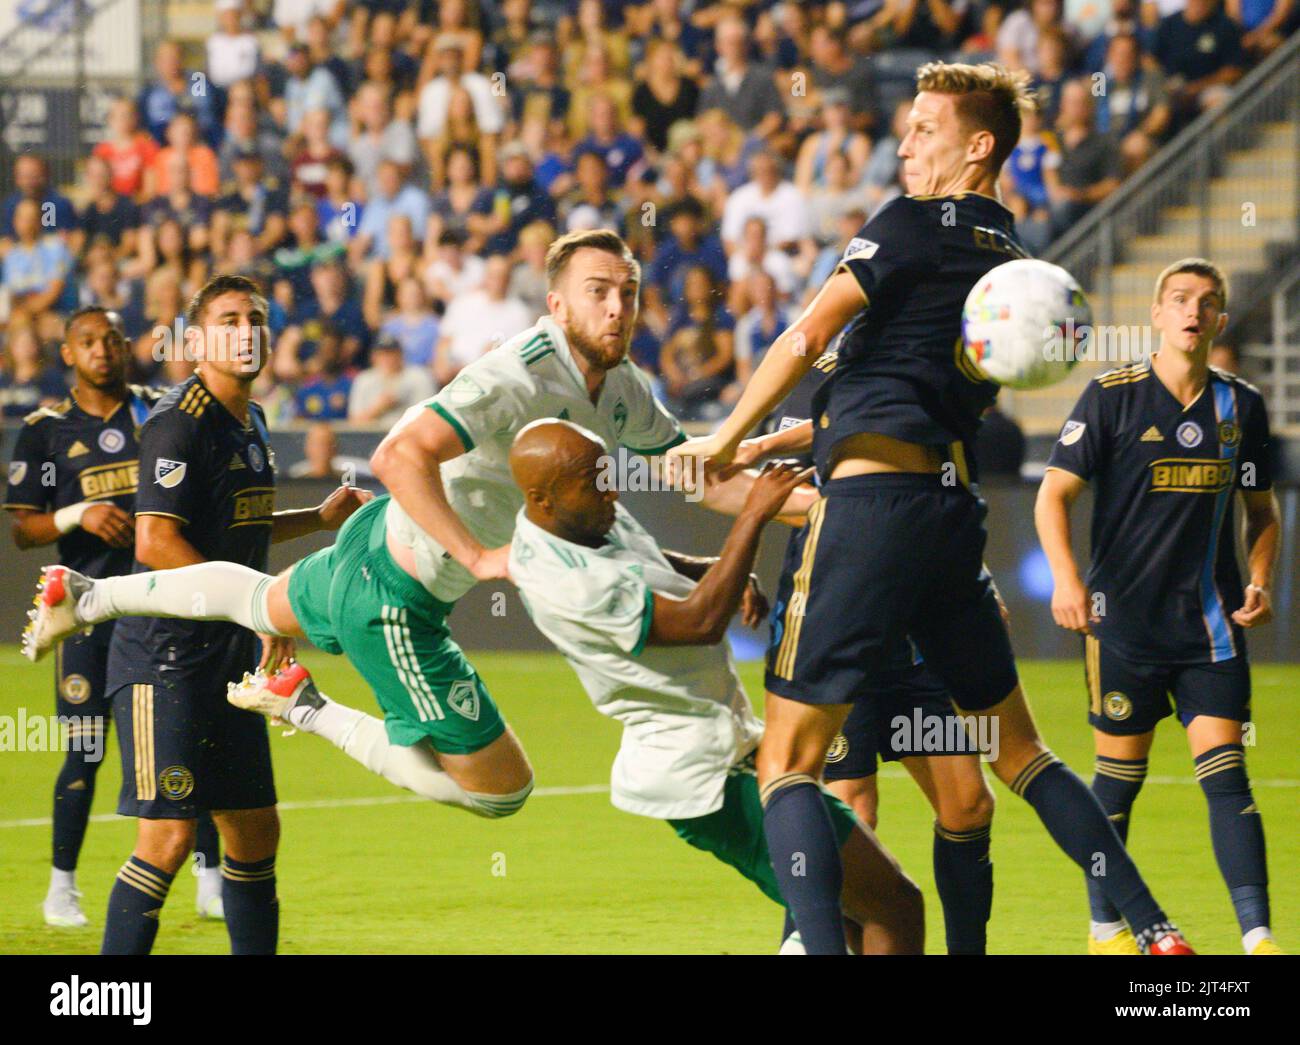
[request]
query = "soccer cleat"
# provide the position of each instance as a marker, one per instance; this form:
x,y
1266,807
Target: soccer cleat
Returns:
x,y
54,614
276,695
1123,942
793,944
208,900
63,909
1170,943
1267,946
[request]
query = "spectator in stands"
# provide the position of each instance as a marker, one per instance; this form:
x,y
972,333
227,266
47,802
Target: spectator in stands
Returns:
x,y
1199,49
107,216
743,91
446,58
332,301
1053,71
32,183
167,247
38,270
320,46
591,33
103,287
478,322
183,142
591,204
413,323
771,198
594,79
1017,41
254,202
321,460
1135,108
456,19
304,249
244,132
1265,23
340,209
528,280
541,93
662,96
291,16
722,156
1088,167
837,137
461,131
620,151
691,242
698,351
311,151
782,42
384,60
840,193
393,197
1124,20
756,329
835,68
174,90
828,258
384,275
310,86
450,270
520,22
452,206
233,52
937,26
182,204
378,136
1024,184
755,254
128,150
324,395
502,210
26,380
690,41
388,387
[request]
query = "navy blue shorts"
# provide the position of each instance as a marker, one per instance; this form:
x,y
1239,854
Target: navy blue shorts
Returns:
x,y
81,674
185,750
883,558
1126,698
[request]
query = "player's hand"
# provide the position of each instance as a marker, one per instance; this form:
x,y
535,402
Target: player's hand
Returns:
x,y
773,487
682,462
492,564
1257,609
749,452
754,606
1070,606
110,524
336,508
277,651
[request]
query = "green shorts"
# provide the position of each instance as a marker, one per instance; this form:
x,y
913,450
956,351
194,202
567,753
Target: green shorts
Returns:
x,y
734,833
352,598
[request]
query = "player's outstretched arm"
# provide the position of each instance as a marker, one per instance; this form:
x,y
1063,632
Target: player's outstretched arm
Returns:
x,y
1262,530
701,618
408,462
1070,606
330,514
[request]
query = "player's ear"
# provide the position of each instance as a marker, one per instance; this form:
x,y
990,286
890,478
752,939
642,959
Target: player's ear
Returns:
x,y
980,146
1223,322
65,353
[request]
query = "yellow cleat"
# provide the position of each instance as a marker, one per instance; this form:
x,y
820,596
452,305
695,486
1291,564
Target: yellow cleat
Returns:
x,y
1122,942
1267,946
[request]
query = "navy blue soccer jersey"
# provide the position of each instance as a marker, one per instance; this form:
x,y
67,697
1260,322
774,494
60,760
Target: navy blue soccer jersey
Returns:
x,y
65,456
901,369
202,466
1163,539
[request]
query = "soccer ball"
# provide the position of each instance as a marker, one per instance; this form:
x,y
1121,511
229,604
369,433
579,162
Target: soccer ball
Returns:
x,y
1021,322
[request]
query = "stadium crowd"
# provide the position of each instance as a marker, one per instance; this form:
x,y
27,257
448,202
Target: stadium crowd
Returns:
x,y
392,171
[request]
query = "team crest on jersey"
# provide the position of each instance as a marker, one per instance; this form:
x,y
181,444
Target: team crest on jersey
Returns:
x,y
838,749
176,783
17,472
463,698
111,440
1072,432
1189,434
76,689
1229,433
255,457
620,417
168,473
1117,706
862,248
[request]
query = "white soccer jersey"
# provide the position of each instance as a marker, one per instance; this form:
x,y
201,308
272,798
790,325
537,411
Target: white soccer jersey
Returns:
x,y
529,377
686,719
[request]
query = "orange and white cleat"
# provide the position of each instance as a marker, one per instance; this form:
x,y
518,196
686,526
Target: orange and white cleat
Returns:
x,y
54,614
276,695
1171,943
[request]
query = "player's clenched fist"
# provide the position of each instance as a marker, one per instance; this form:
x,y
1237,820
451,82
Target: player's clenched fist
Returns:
x,y
1257,609
336,508
773,487
1070,606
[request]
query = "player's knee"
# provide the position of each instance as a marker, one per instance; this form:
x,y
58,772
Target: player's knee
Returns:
x,y
967,809
165,843
497,807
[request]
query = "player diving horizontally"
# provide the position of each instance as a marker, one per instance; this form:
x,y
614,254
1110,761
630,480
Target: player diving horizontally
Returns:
x,y
891,534
382,592
1166,443
644,630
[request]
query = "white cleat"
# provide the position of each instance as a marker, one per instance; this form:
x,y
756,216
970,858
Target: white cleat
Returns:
x,y
54,614
208,896
63,909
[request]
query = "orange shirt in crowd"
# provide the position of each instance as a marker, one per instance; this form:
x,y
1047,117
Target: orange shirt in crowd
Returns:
x,y
205,172
128,162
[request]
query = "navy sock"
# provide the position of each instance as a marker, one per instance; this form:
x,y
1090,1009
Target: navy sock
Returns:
x,y
963,874
787,929
207,843
1078,824
1116,784
74,791
806,859
1236,831
251,906
134,907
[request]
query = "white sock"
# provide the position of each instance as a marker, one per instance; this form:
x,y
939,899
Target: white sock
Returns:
x,y
363,738
1103,931
1251,940
61,880
205,591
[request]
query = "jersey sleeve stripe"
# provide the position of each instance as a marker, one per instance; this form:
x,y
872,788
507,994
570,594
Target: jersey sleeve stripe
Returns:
x,y
442,412
647,619
165,515
14,506
677,440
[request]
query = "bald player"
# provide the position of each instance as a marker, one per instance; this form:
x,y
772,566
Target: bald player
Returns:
x,y
644,630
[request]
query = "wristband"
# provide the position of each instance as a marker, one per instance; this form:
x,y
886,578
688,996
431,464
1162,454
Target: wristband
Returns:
x,y
69,518
1258,587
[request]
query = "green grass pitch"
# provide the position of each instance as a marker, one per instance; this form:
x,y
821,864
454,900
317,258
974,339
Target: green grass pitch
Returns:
x,y
365,869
